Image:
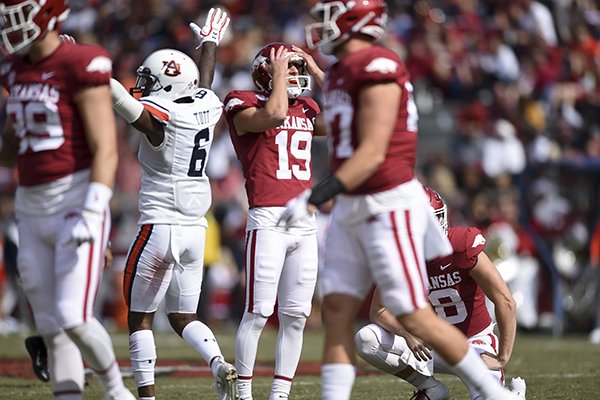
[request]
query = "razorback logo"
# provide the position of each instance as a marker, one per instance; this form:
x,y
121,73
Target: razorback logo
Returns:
x,y
171,68
479,239
99,64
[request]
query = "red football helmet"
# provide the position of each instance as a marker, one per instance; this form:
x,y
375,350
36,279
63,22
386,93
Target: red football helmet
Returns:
x,y
339,19
262,79
439,207
23,21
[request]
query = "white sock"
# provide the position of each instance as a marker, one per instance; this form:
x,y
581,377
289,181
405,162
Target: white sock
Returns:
x,y
289,345
475,374
148,398
142,353
280,389
65,365
202,339
96,348
337,381
244,388
246,343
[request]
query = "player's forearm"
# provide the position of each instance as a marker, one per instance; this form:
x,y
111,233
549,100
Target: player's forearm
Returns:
x,y
207,64
276,108
104,167
358,168
507,330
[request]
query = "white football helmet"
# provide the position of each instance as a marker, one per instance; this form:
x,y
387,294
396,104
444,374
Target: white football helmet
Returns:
x,y
167,73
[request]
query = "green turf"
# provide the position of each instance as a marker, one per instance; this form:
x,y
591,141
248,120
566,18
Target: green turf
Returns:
x,y
567,368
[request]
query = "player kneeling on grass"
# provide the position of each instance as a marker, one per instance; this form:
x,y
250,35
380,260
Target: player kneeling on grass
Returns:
x,y
458,285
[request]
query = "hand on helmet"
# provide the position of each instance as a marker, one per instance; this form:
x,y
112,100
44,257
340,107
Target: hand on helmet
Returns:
x,y
214,28
67,38
278,61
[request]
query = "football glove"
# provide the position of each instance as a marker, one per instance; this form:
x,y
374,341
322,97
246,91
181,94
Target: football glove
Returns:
x,y
83,230
214,28
295,209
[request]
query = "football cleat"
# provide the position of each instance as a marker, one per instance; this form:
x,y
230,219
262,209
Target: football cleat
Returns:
x,y
518,387
39,357
437,392
226,382
121,393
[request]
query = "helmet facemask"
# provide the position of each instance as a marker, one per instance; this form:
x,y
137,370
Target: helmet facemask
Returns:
x,y
23,23
442,215
337,21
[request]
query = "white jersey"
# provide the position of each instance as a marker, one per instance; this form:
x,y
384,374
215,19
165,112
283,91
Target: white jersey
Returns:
x,y
175,188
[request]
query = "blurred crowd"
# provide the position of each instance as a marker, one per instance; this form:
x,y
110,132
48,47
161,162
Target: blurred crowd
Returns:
x,y
509,99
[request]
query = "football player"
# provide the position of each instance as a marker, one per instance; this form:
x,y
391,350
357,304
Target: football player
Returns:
x,y
272,130
382,228
176,114
458,286
66,163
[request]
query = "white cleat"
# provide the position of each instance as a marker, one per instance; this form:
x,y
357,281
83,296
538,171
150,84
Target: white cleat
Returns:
x,y
226,382
120,394
518,387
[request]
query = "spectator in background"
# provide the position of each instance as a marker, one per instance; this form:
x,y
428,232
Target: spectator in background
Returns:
x,y
502,152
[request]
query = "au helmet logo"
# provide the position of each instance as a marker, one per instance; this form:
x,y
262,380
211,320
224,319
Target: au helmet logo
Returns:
x,y
171,68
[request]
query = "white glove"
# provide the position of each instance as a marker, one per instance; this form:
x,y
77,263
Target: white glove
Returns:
x,y
214,28
295,209
67,38
83,231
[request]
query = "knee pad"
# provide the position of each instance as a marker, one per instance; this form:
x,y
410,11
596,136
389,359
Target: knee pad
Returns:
x,y
366,341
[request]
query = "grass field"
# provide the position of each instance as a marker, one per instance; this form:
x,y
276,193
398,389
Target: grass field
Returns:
x,y
565,369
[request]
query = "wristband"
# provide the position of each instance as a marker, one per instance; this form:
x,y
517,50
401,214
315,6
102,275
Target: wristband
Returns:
x,y
97,197
124,103
326,190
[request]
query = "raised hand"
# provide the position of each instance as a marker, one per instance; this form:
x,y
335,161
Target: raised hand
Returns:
x,y
311,65
214,28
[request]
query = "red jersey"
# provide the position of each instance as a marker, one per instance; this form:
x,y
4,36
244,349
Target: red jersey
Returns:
x,y
343,84
41,106
276,163
452,291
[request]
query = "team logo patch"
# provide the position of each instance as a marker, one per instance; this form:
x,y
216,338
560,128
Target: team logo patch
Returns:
x,y
171,68
479,239
232,103
383,65
100,64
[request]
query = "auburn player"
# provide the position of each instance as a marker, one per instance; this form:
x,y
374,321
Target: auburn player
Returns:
x,y
272,129
381,227
177,114
66,163
458,286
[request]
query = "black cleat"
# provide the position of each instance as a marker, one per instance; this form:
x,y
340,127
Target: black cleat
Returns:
x,y
39,357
